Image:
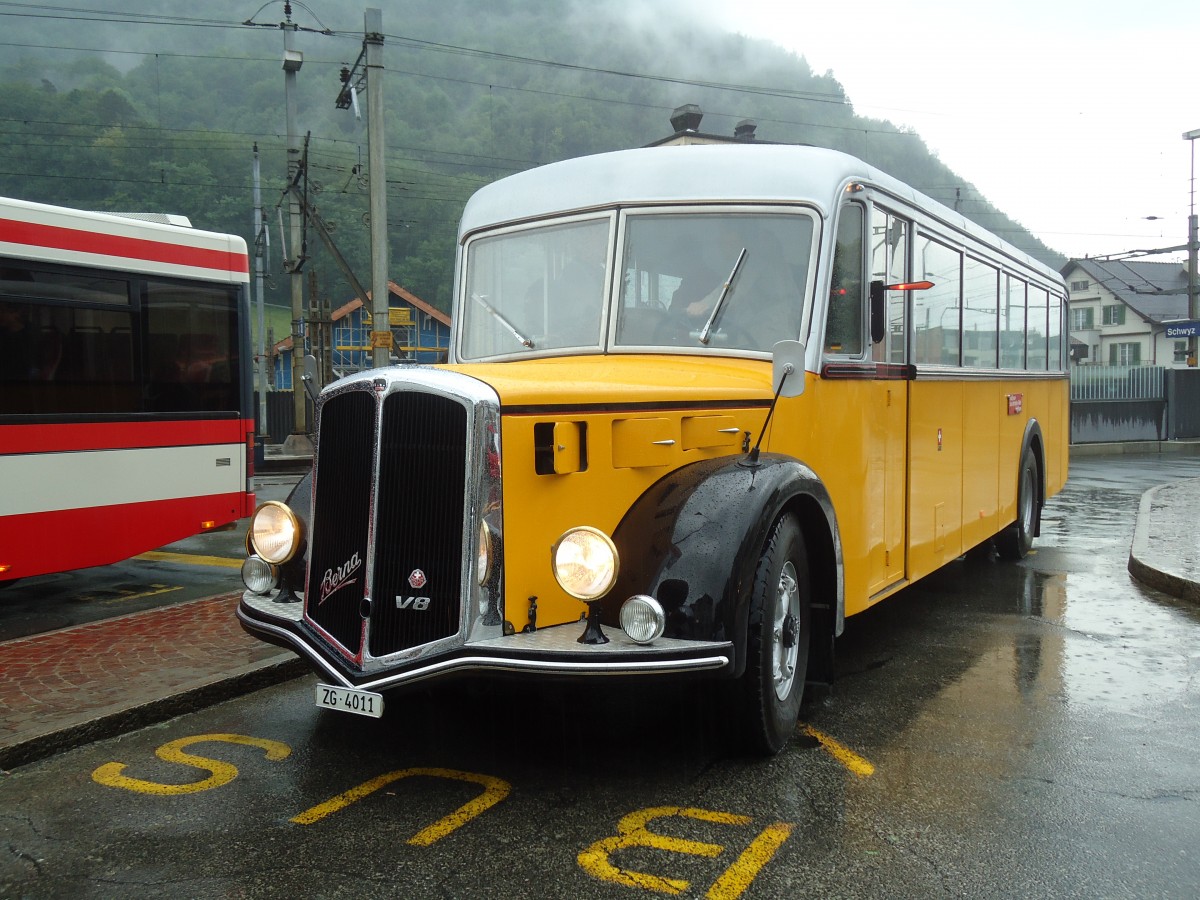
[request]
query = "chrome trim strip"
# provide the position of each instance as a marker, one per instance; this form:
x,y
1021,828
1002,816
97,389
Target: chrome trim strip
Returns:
x,y
300,647
480,500
649,667
556,641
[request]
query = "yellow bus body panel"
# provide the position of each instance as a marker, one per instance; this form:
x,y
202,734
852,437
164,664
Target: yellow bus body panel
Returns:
x,y
919,471
633,433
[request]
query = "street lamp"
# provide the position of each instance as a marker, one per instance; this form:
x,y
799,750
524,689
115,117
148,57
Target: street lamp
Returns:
x,y
1193,301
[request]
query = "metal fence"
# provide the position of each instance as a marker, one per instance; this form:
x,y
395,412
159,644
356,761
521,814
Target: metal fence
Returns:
x,y
1118,383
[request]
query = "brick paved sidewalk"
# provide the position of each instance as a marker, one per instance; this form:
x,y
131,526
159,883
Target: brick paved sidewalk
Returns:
x,y
91,681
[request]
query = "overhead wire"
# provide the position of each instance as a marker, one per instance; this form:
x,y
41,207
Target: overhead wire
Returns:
x,y
56,12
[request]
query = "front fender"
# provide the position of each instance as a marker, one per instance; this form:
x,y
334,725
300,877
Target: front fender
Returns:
x,y
693,541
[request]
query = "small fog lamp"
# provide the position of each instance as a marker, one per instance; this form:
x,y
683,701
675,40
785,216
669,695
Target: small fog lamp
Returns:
x,y
643,619
259,575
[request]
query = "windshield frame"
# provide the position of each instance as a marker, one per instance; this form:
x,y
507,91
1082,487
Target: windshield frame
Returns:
x,y
619,220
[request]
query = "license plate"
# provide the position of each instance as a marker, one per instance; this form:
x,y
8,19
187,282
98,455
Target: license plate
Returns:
x,y
351,700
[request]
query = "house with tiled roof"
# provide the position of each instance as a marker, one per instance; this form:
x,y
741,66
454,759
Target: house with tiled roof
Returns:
x,y
420,333
1120,311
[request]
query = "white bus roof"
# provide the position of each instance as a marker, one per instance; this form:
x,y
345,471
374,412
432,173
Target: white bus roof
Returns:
x,y
39,231
730,173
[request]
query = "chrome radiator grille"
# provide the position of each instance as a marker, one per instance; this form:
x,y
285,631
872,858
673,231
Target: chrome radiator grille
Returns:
x,y
390,480
418,522
341,517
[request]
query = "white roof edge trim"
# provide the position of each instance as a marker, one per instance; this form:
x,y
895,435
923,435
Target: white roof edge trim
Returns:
x,y
724,173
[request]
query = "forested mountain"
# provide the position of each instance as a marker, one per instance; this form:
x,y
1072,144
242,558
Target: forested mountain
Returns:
x,y
166,119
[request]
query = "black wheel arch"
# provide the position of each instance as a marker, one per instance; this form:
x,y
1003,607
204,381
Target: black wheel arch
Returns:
x,y
693,539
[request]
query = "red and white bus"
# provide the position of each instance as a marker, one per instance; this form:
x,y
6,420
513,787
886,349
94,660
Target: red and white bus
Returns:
x,y
125,395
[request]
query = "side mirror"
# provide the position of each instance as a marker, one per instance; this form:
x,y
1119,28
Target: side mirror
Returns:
x,y
878,312
787,368
879,306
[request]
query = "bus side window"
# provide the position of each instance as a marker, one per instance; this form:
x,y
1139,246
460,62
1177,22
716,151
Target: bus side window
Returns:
x,y
844,321
889,264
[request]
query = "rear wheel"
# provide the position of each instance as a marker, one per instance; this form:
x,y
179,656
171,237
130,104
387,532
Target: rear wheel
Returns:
x,y
1017,539
777,644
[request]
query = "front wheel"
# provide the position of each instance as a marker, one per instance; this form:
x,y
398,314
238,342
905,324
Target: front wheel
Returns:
x,y
777,640
1017,539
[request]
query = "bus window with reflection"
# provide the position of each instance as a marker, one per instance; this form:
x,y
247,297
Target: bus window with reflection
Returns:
x,y
742,276
979,314
844,323
536,289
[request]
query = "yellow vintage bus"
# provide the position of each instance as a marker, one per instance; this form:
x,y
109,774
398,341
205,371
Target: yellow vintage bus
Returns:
x,y
702,403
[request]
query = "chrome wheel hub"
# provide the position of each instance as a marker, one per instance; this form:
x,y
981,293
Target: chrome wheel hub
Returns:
x,y
785,643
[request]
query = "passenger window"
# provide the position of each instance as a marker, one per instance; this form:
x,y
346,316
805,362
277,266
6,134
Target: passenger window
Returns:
x,y
936,312
889,264
979,314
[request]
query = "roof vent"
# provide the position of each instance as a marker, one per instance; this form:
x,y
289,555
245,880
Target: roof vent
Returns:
x,y
686,118
744,130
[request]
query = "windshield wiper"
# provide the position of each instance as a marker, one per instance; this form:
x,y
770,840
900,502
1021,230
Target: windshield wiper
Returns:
x,y
499,317
725,291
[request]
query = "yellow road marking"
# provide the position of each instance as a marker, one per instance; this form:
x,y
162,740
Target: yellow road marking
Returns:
x,y
632,832
193,559
220,773
495,790
847,757
734,881
125,597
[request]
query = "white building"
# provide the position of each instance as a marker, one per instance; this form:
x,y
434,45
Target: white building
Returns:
x,y
1120,310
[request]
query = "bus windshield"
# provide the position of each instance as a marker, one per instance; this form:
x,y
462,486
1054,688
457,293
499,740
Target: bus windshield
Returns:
x,y
693,281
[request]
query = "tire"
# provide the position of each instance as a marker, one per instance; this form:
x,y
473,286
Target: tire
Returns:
x,y
777,641
1017,539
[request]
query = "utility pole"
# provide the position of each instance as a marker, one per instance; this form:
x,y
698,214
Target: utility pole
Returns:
x,y
1193,299
261,243
370,59
381,332
298,441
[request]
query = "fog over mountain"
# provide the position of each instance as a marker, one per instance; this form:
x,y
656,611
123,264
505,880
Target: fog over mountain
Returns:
x,y
158,106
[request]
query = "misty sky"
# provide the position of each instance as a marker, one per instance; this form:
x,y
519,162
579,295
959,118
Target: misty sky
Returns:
x,y
1066,114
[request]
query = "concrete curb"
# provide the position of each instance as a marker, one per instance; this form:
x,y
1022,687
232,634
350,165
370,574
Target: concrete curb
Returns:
x,y
1136,448
1146,564
283,667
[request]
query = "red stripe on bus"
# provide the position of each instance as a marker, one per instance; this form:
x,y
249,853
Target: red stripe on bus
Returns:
x,y
39,543
59,238
56,438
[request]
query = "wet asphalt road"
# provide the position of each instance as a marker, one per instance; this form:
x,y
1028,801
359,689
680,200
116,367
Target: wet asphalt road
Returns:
x,y
997,731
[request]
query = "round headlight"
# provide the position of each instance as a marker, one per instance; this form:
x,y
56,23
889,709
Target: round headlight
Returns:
x,y
259,575
275,532
483,554
585,563
643,619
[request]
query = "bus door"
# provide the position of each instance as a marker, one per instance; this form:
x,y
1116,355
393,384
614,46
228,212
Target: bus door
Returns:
x,y
865,401
888,240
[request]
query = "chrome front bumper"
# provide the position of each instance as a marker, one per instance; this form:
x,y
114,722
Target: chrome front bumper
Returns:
x,y
553,651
